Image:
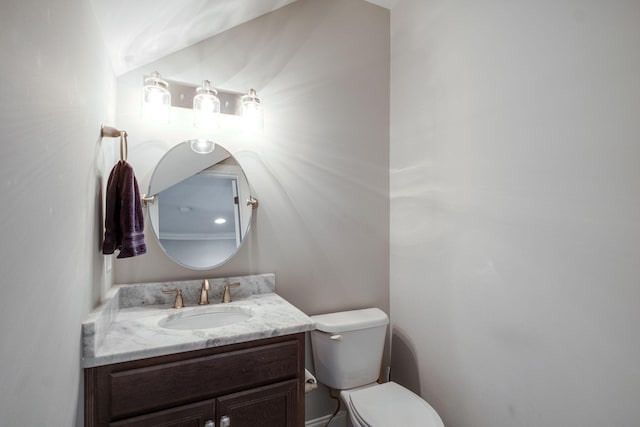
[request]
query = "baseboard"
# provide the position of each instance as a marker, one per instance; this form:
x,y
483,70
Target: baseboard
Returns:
x,y
340,420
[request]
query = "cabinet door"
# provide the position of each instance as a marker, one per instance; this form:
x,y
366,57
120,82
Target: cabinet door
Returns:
x,y
194,415
269,406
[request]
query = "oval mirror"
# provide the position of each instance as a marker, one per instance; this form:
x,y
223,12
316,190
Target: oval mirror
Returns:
x,y
200,215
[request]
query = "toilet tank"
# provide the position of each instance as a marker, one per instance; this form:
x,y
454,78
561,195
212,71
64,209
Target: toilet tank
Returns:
x,y
347,347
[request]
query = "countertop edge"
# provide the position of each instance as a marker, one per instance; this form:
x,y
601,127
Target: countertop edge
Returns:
x,y
94,362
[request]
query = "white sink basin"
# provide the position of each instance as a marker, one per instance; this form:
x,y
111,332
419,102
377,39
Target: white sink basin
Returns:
x,y
205,318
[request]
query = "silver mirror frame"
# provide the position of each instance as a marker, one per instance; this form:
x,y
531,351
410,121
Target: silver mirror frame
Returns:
x,y
179,164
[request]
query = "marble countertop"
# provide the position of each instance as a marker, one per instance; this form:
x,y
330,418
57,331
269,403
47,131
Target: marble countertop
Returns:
x,y
125,327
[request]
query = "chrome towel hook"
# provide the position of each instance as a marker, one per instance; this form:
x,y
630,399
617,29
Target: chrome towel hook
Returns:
x,y
111,132
124,146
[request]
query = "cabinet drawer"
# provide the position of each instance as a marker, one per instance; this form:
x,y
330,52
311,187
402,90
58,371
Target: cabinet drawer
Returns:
x,y
194,415
148,388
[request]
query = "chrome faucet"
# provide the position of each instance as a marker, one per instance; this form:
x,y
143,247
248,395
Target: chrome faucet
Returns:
x,y
178,303
204,294
226,296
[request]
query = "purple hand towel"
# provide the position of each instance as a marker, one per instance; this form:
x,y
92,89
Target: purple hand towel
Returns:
x,y
112,234
124,223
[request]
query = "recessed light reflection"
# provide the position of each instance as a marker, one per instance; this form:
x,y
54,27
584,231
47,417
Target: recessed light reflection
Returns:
x,y
219,220
202,146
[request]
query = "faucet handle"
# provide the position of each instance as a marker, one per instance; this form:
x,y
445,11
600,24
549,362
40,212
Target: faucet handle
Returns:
x,y
178,303
204,295
226,296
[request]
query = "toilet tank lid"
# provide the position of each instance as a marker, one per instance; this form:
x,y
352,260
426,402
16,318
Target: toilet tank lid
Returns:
x,y
350,320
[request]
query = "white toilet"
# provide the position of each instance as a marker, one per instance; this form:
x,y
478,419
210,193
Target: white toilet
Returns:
x,y
347,353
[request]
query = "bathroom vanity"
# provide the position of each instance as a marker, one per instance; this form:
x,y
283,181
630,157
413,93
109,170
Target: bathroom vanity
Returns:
x,y
239,383
247,373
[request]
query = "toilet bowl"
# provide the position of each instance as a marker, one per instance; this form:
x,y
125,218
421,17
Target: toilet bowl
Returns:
x,y
347,352
388,404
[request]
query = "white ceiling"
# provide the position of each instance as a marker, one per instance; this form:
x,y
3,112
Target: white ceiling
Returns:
x,y
142,31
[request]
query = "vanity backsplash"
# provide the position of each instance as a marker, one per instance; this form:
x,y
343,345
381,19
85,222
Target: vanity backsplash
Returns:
x,y
137,295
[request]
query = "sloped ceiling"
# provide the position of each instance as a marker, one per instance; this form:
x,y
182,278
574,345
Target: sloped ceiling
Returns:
x,y
142,31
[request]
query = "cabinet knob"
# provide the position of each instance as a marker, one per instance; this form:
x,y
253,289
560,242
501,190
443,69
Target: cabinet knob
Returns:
x,y
209,423
225,421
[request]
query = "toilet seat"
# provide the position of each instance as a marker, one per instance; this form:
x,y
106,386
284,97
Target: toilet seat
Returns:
x,y
390,404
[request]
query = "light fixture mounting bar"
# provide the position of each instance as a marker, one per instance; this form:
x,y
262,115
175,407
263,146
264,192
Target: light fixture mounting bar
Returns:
x,y
182,97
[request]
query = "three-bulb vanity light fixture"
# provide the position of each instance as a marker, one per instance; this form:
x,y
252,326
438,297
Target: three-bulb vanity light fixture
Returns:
x,y
159,95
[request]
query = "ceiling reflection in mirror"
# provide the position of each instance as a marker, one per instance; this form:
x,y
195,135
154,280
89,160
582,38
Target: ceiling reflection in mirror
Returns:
x,y
200,216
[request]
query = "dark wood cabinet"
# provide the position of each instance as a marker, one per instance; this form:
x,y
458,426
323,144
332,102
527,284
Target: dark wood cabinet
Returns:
x,y
268,406
195,415
248,384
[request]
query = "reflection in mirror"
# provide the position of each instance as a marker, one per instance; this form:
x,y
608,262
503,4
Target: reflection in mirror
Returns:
x,y
200,216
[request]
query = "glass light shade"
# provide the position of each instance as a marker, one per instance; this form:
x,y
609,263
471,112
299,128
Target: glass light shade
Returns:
x,y
206,107
156,99
202,146
252,117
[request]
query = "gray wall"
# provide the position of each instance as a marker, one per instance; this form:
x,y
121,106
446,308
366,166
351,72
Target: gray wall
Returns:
x,y
56,88
515,210
321,168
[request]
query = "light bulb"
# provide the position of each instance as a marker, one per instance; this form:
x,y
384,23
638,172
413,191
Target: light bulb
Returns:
x,y
156,99
206,107
252,111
